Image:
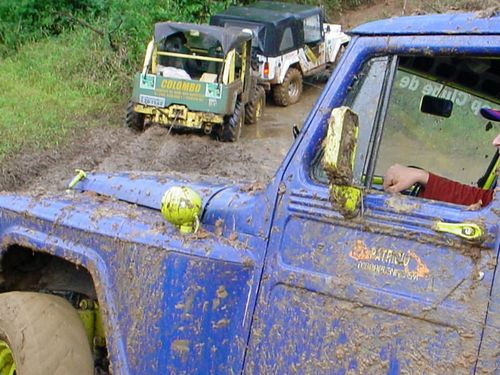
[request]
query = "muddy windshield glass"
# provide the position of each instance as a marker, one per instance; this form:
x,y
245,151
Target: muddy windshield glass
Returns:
x,y
457,147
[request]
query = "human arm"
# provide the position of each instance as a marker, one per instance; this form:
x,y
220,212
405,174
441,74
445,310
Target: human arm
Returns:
x,y
399,178
442,189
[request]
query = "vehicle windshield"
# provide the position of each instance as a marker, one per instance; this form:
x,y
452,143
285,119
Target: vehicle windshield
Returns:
x,y
186,56
458,147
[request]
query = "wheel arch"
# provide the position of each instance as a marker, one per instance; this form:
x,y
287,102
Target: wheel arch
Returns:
x,y
293,64
24,268
289,60
59,261
18,242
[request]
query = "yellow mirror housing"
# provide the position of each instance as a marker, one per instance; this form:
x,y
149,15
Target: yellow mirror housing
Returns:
x,y
346,198
338,159
340,145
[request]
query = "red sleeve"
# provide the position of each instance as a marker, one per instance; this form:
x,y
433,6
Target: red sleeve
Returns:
x,y
442,189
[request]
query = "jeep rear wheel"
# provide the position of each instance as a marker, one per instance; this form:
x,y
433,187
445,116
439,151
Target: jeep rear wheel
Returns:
x,y
42,334
255,108
231,128
290,90
134,120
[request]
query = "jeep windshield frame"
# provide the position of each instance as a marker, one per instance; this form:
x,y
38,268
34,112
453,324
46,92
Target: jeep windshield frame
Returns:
x,y
229,38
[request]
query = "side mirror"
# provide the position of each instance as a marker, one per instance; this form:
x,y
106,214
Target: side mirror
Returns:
x,y
338,160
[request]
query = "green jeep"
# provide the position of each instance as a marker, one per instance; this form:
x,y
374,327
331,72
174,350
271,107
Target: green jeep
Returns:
x,y
198,77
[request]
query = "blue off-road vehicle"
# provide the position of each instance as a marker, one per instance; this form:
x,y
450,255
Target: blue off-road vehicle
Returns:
x,y
318,272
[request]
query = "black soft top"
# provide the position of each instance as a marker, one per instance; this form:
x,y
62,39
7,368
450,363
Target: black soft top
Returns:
x,y
268,20
228,38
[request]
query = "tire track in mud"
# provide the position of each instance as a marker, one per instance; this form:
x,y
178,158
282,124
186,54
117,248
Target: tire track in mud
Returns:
x,y
114,148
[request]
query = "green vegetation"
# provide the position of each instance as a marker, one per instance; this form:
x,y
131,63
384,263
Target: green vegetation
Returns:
x,y
66,62
63,69
51,86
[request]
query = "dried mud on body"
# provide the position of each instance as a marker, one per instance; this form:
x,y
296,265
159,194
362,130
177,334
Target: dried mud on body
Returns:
x,y
114,148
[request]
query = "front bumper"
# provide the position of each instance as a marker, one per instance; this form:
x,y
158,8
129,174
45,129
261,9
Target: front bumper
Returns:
x,y
179,115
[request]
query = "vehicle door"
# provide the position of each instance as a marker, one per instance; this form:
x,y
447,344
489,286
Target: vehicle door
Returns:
x,y
314,46
389,288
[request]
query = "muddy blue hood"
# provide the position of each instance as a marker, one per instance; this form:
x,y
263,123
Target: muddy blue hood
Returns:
x,y
221,198
145,189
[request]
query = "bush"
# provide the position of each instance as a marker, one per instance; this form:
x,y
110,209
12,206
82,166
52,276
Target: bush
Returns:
x,y
31,20
55,85
133,27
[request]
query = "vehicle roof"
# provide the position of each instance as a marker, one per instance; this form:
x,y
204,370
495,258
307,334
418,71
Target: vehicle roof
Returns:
x,y
269,12
228,37
437,24
286,8
269,20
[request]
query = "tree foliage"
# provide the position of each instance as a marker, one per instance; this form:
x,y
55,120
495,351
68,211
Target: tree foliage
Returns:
x,y
125,23
28,20
131,21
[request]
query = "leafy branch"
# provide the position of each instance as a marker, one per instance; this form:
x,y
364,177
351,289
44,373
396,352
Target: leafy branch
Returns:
x,y
106,35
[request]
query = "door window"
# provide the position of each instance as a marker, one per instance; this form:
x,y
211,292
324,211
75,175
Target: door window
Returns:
x,y
312,29
457,147
432,119
363,98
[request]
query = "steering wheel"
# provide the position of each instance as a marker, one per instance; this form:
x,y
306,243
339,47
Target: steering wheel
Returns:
x,y
415,189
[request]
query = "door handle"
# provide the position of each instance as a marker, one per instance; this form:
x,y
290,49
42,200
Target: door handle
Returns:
x,y
469,231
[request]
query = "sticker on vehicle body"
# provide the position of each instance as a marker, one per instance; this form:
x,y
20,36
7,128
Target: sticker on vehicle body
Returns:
x,y
147,81
395,263
213,90
154,101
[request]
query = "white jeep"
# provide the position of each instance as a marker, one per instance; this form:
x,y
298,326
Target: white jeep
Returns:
x,y
290,41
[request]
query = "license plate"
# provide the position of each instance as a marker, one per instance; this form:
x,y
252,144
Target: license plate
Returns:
x,y
152,100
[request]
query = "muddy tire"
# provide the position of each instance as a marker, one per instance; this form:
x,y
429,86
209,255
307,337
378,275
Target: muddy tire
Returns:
x,y
134,120
231,128
255,107
290,90
43,334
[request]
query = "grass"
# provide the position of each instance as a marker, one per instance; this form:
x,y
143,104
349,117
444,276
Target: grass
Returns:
x,y
53,86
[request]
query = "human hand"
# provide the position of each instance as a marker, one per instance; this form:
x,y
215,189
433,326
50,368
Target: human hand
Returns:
x,y
399,178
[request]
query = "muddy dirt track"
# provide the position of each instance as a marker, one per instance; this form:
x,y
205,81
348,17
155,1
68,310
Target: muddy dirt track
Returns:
x,y
256,156
112,147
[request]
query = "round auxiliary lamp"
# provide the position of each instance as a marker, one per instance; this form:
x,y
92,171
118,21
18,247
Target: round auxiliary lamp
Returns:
x,y
181,206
